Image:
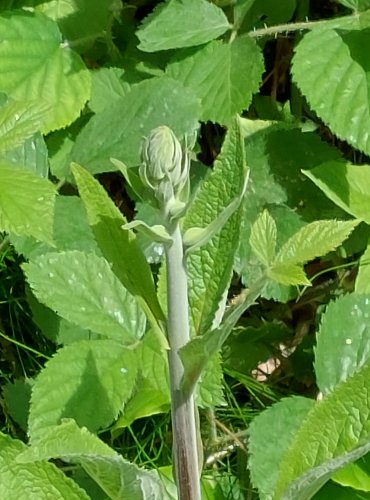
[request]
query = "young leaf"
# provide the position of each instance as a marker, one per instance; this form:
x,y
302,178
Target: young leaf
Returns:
x,y
271,434
223,75
54,76
116,476
336,432
201,22
39,480
263,238
26,203
89,381
83,289
346,185
343,340
288,274
339,73
118,130
210,267
119,247
315,239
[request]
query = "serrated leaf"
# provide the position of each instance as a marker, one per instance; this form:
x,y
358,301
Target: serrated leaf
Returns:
x,y
271,434
116,476
263,238
17,399
343,340
201,22
223,75
119,247
336,432
83,289
117,131
356,5
19,121
89,381
31,154
346,185
54,76
26,203
340,73
209,268
288,274
314,240
34,480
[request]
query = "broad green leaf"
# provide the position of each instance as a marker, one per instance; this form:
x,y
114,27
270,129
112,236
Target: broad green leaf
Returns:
x,y
223,75
343,340
346,185
340,73
89,381
271,434
31,154
17,400
119,247
209,268
18,121
83,289
39,480
54,76
107,85
314,240
116,476
117,131
175,24
263,238
288,274
362,284
151,394
336,432
26,203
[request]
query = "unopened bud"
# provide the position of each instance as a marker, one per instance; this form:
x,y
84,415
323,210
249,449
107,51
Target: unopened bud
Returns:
x,y
165,166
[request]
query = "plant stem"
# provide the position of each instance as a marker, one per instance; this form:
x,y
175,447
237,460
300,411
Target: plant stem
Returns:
x,y
182,406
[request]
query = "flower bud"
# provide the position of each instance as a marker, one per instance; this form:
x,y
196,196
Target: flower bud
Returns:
x,y
164,166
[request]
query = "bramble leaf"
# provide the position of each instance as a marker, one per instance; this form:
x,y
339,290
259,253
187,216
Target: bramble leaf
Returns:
x,y
55,76
177,24
263,238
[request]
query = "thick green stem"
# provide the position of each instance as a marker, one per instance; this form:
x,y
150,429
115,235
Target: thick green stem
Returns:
x,y
182,407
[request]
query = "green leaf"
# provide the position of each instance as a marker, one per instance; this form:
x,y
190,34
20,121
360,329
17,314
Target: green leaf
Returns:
x,y
54,76
34,480
19,121
336,432
288,274
200,22
83,289
223,75
119,247
356,475
117,131
31,154
17,399
26,203
340,73
263,238
362,284
271,434
117,477
357,5
346,185
314,240
89,381
107,86
343,340
151,394
209,268
332,490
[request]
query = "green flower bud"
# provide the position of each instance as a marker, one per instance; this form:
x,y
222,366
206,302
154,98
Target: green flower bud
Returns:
x,y
165,167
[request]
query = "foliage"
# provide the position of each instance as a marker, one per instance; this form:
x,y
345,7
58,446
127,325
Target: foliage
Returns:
x,y
281,215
